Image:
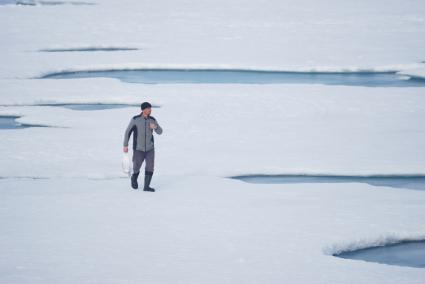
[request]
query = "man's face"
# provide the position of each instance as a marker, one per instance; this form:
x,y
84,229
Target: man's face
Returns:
x,y
147,111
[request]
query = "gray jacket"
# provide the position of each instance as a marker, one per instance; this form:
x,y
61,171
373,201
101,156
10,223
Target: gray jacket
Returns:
x,y
142,133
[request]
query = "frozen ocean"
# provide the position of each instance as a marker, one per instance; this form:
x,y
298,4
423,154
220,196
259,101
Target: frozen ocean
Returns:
x,y
292,151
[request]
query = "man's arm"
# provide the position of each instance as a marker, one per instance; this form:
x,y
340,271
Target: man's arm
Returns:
x,y
155,126
128,131
158,128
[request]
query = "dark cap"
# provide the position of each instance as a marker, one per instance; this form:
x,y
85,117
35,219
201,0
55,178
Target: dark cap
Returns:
x,y
145,105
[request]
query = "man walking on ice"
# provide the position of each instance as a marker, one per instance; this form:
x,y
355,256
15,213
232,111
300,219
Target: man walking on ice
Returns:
x,y
142,127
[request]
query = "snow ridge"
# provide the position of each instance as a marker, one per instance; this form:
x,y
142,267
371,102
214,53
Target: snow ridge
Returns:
x,y
383,240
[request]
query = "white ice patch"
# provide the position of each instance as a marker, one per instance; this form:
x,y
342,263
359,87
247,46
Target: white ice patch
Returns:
x,y
418,73
404,77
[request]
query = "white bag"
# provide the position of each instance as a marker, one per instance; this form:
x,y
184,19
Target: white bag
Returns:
x,y
127,164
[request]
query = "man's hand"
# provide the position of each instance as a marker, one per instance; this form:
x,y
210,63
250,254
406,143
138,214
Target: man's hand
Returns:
x,y
153,126
125,149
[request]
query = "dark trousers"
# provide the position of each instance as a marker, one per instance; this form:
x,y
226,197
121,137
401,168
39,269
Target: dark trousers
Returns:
x,y
140,156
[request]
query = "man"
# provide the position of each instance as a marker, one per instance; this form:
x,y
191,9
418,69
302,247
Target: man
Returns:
x,y
142,127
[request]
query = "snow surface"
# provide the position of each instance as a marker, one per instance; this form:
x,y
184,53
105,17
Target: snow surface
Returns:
x,y
67,213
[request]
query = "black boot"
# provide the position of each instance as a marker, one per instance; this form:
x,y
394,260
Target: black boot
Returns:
x,y
134,177
148,178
